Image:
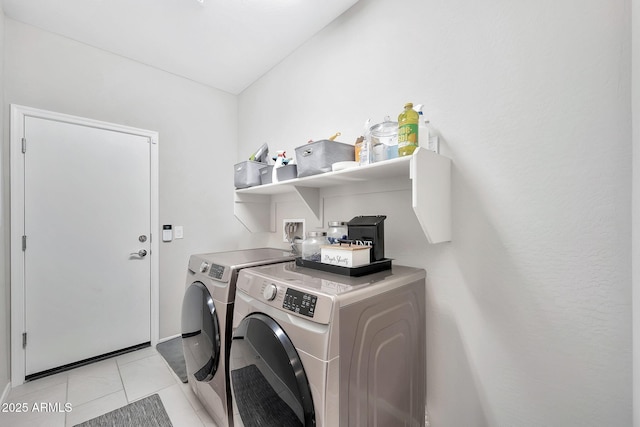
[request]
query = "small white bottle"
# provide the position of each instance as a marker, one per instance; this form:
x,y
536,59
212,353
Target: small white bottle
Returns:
x,y
365,149
423,129
434,141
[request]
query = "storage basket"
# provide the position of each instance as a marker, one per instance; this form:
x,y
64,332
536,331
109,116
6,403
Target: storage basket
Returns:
x,y
247,173
287,172
317,157
266,174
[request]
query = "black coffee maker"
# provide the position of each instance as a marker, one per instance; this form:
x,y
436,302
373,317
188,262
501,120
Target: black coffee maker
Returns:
x,y
369,231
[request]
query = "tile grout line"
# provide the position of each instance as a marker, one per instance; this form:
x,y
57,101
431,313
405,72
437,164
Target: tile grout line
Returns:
x,y
126,396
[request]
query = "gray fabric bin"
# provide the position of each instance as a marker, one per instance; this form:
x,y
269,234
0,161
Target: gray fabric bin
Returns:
x,y
317,157
247,173
266,174
287,172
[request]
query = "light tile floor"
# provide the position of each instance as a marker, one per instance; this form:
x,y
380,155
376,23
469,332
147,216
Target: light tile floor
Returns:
x,y
101,387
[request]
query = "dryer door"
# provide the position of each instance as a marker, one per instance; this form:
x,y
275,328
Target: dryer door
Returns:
x,y
200,333
268,381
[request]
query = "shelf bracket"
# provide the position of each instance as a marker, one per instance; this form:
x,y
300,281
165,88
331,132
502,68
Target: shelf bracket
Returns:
x,y
311,198
431,194
254,212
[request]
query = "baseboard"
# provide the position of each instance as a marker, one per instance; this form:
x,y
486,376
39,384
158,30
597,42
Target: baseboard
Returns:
x,y
168,338
5,392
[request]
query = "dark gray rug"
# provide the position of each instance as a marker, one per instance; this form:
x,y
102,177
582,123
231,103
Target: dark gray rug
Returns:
x,y
147,412
258,403
172,352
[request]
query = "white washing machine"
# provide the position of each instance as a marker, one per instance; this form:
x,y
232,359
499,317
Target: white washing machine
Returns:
x,y
207,311
318,349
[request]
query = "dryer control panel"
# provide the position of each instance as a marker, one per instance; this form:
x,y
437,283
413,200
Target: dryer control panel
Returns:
x,y
216,271
300,302
209,269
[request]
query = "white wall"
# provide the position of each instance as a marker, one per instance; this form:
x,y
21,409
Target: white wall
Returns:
x,y
4,233
196,123
529,307
635,17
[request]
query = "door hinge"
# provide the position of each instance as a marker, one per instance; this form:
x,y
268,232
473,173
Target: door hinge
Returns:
x,y
24,243
24,340
24,145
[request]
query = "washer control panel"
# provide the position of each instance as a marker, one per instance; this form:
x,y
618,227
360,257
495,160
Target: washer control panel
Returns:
x,y
300,302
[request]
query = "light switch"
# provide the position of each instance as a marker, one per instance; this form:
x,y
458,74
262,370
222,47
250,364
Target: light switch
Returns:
x,y
178,232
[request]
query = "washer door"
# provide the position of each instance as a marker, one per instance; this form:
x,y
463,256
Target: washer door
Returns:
x,y
268,382
200,333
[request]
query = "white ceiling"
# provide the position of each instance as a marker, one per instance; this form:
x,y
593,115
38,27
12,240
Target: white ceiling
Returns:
x,y
227,44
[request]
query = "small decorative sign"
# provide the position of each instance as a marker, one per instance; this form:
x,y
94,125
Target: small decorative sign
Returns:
x,y
345,256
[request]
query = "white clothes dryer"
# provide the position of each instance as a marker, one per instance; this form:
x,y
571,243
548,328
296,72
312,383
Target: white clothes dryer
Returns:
x,y
207,311
312,348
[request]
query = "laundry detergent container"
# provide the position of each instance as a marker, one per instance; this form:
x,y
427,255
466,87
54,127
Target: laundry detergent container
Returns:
x,y
317,157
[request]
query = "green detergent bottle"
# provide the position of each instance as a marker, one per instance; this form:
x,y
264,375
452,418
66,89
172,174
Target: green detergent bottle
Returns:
x,y
407,130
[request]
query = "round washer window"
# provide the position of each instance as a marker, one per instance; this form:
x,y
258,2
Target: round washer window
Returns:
x,y
200,333
268,381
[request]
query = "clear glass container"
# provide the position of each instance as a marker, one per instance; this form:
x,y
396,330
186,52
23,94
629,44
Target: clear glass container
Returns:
x,y
311,245
337,231
384,140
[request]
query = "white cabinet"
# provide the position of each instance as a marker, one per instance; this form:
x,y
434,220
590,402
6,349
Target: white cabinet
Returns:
x,y
430,180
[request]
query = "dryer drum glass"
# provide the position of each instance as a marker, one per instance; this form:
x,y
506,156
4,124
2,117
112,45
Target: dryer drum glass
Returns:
x,y
264,360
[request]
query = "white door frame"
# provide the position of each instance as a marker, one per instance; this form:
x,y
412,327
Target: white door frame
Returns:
x,y
18,114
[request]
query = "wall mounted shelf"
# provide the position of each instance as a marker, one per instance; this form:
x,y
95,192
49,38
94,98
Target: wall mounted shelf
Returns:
x,y
429,173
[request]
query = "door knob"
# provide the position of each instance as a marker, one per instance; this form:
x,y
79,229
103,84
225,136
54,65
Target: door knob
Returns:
x,y
141,253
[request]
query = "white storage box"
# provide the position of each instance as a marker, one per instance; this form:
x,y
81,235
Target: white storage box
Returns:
x,y
345,256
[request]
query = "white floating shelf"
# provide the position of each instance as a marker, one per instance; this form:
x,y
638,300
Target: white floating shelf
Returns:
x,y
430,176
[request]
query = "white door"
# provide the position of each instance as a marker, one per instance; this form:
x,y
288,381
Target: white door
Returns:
x,y
87,275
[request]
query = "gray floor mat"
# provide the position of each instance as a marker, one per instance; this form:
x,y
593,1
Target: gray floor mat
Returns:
x,y
257,401
147,412
172,352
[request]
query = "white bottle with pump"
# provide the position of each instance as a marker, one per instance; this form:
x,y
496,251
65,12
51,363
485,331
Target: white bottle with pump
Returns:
x,y
423,130
426,132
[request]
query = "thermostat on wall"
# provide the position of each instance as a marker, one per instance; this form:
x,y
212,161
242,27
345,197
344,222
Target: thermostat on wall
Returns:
x,y
167,233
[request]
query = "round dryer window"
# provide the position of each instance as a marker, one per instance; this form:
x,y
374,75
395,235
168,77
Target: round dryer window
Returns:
x,y
200,333
268,381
